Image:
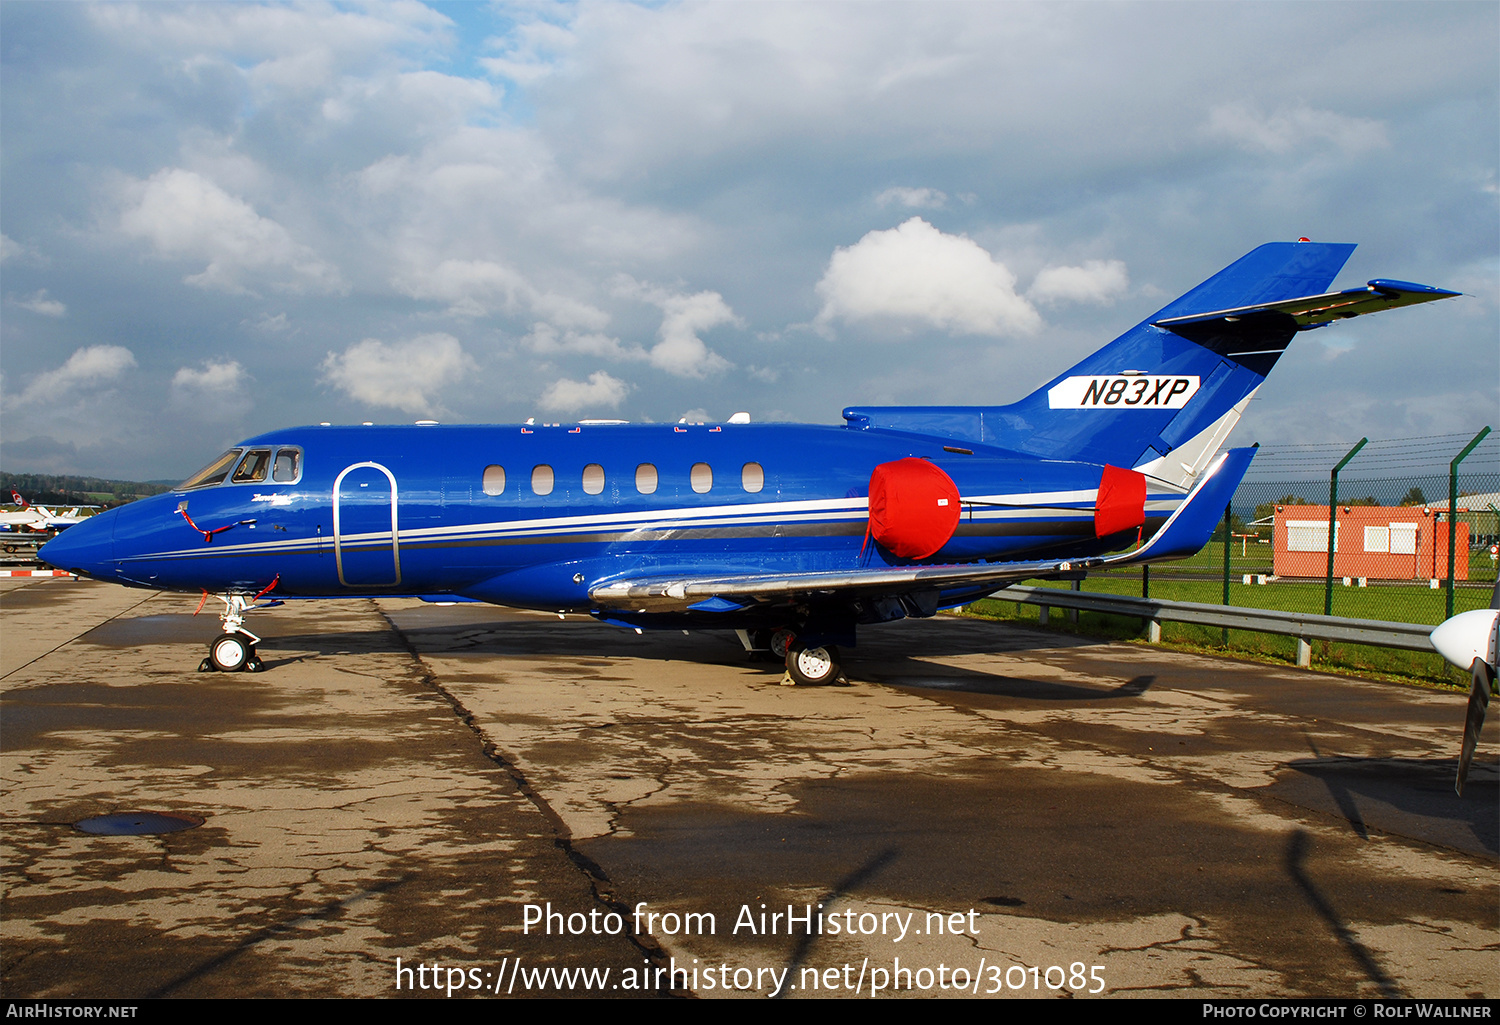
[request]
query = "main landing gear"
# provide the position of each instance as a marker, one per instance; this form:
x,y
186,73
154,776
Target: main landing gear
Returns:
x,y
234,649
812,665
808,665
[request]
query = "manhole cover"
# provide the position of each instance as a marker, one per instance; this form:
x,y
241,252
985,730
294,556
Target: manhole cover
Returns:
x,y
137,823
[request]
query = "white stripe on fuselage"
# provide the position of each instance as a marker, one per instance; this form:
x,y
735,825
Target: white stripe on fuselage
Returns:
x,y
988,508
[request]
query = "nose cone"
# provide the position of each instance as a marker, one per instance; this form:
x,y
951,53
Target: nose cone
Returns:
x,y
1467,636
86,548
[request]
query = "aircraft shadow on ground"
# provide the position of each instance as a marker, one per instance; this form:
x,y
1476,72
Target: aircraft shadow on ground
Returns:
x,y
876,663
1362,787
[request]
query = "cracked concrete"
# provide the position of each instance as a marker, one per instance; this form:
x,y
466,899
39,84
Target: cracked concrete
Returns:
x,y
350,817
404,778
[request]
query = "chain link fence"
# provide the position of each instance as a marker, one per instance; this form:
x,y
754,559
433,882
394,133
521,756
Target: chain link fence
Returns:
x,y
1391,539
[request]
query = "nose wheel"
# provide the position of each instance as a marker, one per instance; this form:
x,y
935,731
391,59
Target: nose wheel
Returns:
x,y
232,653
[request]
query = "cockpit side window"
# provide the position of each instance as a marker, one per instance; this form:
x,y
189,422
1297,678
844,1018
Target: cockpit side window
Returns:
x,y
213,473
253,468
288,466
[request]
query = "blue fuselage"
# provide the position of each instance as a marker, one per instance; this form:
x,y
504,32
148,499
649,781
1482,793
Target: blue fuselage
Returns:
x,y
535,516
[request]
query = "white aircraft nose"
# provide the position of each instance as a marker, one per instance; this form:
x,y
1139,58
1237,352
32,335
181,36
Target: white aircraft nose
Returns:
x,y
1467,636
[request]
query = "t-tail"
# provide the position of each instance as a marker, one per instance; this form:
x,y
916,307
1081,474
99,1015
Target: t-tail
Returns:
x,y
1163,397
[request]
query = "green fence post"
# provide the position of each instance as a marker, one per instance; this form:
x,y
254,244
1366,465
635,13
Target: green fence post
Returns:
x,y
1453,511
1226,552
1333,526
1224,634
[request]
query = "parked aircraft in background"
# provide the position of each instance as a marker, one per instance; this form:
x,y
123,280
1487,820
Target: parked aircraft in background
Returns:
x,y
793,535
38,518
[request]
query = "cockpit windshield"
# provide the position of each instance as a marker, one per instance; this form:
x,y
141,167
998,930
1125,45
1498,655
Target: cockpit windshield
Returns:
x,y
250,466
254,467
213,473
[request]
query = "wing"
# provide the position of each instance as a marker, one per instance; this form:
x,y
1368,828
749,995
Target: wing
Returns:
x,y
1186,531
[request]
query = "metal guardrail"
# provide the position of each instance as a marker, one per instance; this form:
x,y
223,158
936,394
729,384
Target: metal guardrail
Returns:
x,y
1306,628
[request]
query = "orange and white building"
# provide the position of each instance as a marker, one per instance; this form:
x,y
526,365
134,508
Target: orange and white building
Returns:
x,y
1377,542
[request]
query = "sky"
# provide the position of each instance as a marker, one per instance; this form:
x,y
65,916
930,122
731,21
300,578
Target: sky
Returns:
x,y
223,218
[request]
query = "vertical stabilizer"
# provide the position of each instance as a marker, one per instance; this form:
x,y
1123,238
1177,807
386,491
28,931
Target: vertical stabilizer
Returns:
x,y
1161,399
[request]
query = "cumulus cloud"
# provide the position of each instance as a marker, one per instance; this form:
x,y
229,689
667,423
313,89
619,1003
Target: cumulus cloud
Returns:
x,y
599,391
529,52
916,272
12,251
1290,127
87,368
225,376
283,47
183,214
214,390
444,99
39,303
681,352
546,340
403,375
269,324
475,287
916,199
1096,281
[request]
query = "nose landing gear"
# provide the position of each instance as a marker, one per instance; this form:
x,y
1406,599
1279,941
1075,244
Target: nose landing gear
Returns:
x,y
234,651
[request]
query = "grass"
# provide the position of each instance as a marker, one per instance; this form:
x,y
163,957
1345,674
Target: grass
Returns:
x,y
1419,605
1399,603
1258,558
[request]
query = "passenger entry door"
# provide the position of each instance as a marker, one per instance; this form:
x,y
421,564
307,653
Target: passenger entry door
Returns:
x,y
366,538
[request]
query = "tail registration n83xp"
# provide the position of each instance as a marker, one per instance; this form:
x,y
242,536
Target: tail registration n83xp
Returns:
x,y
1123,391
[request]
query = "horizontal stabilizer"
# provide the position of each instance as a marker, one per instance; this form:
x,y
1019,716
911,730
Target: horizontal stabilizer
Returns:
x,y
1316,310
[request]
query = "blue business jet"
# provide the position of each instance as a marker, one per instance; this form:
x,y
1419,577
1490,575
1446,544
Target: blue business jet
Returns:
x,y
791,534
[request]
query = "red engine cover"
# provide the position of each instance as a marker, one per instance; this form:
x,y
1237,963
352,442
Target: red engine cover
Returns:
x,y
914,507
1122,501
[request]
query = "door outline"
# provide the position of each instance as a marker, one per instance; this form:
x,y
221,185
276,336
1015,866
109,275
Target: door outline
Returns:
x,y
338,537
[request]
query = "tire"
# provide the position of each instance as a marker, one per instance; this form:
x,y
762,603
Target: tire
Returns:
x,y
230,652
812,665
780,641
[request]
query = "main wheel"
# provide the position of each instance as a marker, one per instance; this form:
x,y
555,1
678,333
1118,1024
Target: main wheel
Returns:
x,y
780,641
230,652
812,665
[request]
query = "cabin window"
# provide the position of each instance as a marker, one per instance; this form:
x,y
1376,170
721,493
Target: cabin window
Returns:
x,y
213,473
701,478
494,480
593,479
288,466
752,477
541,479
645,479
254,468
